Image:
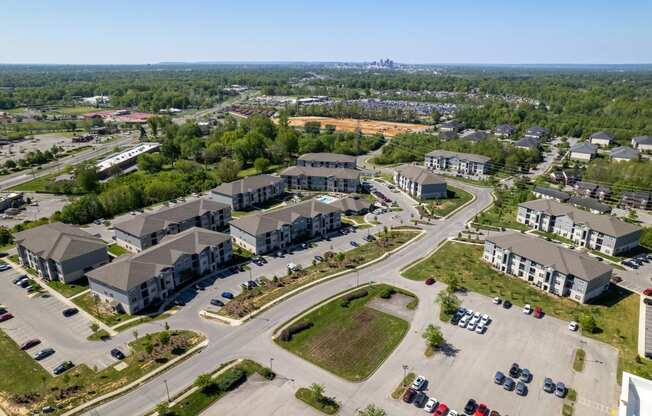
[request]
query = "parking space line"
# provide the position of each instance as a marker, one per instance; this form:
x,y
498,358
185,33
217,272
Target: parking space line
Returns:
x,y
602,408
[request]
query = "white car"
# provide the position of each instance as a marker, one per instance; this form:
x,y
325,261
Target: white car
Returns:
x,y
484,320
469,312
463,321
418,383
496,301
477,315
453,413
527,309
573,326
480,328
431,405
471,325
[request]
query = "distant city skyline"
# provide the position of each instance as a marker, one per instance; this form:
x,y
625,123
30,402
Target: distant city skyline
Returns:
x,y
412,31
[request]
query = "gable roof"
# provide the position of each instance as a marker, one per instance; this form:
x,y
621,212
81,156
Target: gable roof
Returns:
x,y
625,152
605,224
419,175
528,142
537,130
141,225
128,272
590,203
584,147
642,139
59,241
592,187
247,184
555,193
328,157
351,204
564,260
505,129
451,125
273,220
342,173
475,136
602,135
466,156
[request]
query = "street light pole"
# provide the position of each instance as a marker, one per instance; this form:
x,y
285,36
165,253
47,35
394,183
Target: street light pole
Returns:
x,y
271,363
405,368
167,390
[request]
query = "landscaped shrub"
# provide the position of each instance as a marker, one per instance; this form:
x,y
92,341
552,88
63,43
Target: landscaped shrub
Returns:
x,y
387,293
352,296
287,333
231,379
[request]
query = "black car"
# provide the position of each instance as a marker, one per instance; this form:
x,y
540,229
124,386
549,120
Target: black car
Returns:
x,y
64,366
43,354
29,344
548,385
507,304
117,354
521,389
515,370
199,286
499,378
319,258
509,384
70,312
456,318
470,407
420,399
217,302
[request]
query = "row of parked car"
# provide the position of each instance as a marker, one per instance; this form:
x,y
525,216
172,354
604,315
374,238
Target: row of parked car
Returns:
x,y
516,381
415,395
638,261
473,321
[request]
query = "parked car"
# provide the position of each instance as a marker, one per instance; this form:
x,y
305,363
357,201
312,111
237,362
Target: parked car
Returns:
x,y
19,279
647,301
117,354
494,413
573,326
548,385
499,377
354,244
24,283
479,329
525,376
560,390
69,312
453,413
409,394
470,406
418,383
217,302
509,384
431,405
420,399
43,354
484,319
472,324
227,295
482,410
4,266
648,291
6,316
616,279
527,309
63,367
538,312
497,301
319,258
464,321
430,281
521,389
515,370
442,410
507,304
30,344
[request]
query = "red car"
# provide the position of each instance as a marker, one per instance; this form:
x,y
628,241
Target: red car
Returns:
x,y
409,394
442,409
430,281
538,312
648,291
482,410
5,316
29,344
616,279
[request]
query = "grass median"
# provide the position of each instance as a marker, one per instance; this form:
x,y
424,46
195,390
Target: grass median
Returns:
x,y
615,313
456,198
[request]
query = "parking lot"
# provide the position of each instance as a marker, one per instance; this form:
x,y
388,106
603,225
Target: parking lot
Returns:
x,y
636,280
43,205
545,346
40,317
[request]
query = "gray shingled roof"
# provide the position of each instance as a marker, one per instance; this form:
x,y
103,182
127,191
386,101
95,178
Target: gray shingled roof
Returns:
x,y
451,125
248,184
584,147
342,173
555,193
351,204
602,135
642,139
328,157
625,152
505,129
467,156
590,203
475,136
605,224
537,130
563,260
419,175
273,220
141,225
58,241
130,271
528,142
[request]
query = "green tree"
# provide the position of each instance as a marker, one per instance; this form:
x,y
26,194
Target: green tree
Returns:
x,y
587,323
94,327
86,177
5,236
163,409
227,170
448,302
372,410
453,284
164,338
204,382
261,164
433,336
150,162
317,391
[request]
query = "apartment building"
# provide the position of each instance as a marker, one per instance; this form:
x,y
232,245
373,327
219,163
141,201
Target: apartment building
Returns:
x,y
458,163
420,182
60,252
143,231
603,233
550,193
548,266
322,179
245,193
131,284
640,200
327,160
277,230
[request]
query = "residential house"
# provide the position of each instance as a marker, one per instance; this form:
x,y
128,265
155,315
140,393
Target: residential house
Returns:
x,y
591,190
548,266
601,138
447,135
504,130
352,205
642,143
143,231
322,179
247,192
640,200
603,233
133,283
280,229
527,143
550,193
566,176
593,205
583,151
327,160
458,163
624,154
454,126
420,182
60,252
537,132
475,136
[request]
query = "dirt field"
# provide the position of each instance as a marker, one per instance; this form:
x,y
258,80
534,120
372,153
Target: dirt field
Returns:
x,y
387,128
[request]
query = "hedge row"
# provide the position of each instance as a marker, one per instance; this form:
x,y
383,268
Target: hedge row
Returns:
x,y
287,333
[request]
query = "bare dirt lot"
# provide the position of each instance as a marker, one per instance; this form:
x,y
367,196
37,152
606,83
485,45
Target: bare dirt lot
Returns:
x,y
386,128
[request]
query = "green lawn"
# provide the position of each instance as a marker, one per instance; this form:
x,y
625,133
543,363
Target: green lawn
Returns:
x,y
25,384
324,404
116,250
350,342
199,400
250,300
69,289
456,198
87,303
616,313
252,171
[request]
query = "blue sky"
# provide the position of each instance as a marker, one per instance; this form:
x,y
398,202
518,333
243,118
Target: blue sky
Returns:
x,y
413,31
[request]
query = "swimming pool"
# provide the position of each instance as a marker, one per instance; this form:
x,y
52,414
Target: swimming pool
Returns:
x,y
326,199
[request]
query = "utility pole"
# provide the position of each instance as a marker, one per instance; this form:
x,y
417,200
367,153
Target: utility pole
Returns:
x,y
167,390
271,363
405,368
